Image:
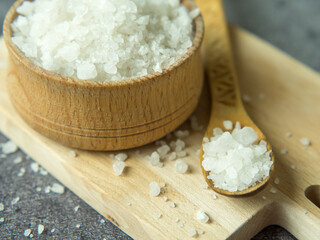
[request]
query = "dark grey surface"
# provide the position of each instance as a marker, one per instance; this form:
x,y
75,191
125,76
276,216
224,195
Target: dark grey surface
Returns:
x,y
292,25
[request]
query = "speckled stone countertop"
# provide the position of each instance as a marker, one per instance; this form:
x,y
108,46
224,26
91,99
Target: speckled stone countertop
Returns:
x,y
291,25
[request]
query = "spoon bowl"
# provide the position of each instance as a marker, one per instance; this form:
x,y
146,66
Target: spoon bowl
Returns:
x,y
224,88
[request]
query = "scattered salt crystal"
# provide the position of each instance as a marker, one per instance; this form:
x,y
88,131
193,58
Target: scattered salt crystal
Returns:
x,y
78,226
288,134
181,133
262,96
305,141
53,230
246,98
284,151
200,232
40,229
172,144
180,166
264,197
205,186
238,125
34,167
214,196
73,154
181,224
9,147
171,204
155,159
1,207
158,215
163,150
273,190
194,13
217,131
305,212
118,167
43,172
17,160
181,154
294,167
162,184
21,172
1,220
198,153
129,204
121,157
154,189
15,201
192,232
31,236
47,189
27,232
172,156
57,188
179,145
202,216
102,221
236,161
177,220
76,208
277,181
165,199
38,189
228,125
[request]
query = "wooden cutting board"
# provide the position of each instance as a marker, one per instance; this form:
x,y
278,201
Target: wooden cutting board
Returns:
x,y
292,94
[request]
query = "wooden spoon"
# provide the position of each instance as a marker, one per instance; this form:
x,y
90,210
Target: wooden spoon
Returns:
x,y
225,94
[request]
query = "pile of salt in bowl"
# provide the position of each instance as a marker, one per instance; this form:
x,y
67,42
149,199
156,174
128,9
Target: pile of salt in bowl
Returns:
x,y
236,161
103,40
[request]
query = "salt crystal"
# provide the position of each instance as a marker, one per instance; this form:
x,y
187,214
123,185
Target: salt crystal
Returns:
x,y
1,220
162,184
214,196
53,230
200,232
228,125
273,190
181,154
129,204
47,189
202,216
177,220
172,156
102,221
34,167
194,124
205,186
288,134
17,160
181,133
76,208
165,199
40,229
155,159
294,167
57,188
31,236
27,232
284,151
38,189
15,201
171,204
1,207
9,147
305,141
43,172
163,150
305,212
192,232
277,181
121,157
194,13
158,215
78,226
246,98
264,197
180,166
154,189
21,172
179,145
73,154
118,167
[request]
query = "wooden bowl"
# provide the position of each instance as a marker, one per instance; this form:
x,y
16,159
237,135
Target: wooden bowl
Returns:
x,y
95,115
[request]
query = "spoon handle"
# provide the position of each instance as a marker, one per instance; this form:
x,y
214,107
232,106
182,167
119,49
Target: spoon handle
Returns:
x,y
220,71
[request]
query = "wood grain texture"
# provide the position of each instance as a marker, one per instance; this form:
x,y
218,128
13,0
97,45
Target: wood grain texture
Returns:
x,y
226,103
110,115
292,92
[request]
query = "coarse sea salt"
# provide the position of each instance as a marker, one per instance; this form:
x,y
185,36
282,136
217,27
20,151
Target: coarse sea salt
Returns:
x,y
118,167
57,188
192,232
27,232
121,157
202,216
40,229
9,147
154,189
180,166
114,41
235,161
305,141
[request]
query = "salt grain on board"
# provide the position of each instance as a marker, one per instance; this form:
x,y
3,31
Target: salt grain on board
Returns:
x,y
76,208
57,188
192,232
40,229
121,157
15,200
273,190
34,167
118,167
305,141
17,160
27,232
181,133
73,154
154,189
214,196
171,204
158,215
277,181
21,172
202,216
165,199
172,156
181,167
9,147
155,159
181,154
163,150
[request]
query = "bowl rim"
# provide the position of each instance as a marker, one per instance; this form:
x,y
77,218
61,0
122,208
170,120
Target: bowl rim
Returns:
x,y
55,77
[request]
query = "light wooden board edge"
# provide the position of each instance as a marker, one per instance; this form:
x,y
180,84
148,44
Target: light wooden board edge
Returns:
x,y
280,208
